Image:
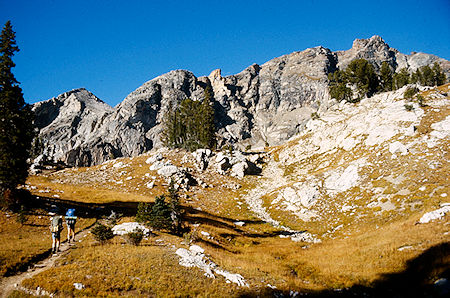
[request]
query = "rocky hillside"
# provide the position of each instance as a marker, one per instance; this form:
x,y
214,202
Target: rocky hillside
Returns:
x,y
356,197
263,105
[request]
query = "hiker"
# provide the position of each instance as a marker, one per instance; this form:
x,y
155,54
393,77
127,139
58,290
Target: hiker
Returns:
x,y
71,219
56,227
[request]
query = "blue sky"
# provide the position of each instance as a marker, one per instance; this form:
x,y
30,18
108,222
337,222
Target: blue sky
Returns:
x,y
111,47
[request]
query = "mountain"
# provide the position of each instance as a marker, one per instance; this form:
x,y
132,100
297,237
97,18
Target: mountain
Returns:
x,y
368,181
261,105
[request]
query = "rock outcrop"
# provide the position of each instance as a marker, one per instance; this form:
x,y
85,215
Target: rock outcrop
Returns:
x,y
262,105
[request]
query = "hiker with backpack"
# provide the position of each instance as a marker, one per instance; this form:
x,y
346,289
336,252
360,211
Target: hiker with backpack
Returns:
x,y
71,219
56,226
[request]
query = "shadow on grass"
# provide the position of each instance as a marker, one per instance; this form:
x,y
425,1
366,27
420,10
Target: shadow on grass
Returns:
x,y
417,280
192,216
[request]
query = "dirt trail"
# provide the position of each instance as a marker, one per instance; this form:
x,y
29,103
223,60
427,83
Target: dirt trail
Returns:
x,y
11,283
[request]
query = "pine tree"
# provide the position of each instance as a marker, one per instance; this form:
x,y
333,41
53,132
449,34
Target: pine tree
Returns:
x,y
361,73
338,86
386,77
416,77
175,209
427,76
439,76
190,125
160,218
207,127
401,78
16,126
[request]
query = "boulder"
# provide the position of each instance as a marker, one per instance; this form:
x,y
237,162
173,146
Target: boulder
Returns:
x,y
239,169
167,170
202,158
154,158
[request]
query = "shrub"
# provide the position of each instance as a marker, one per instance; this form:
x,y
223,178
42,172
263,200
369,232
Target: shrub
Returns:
x,y
102,233
135,237
162,215
21,216
410,92
409,107
315,116
421,100
144,211
190,237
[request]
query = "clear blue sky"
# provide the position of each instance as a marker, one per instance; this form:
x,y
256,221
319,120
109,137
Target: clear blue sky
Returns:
x,y
111,47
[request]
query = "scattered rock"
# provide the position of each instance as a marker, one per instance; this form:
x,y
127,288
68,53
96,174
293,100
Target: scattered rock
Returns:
x,y
129,227
78,285
150,184
436,214
168,170
195,257
154,158
202,158
398,147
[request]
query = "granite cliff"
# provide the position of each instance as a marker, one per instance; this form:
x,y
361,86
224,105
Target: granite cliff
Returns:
x,y
263,104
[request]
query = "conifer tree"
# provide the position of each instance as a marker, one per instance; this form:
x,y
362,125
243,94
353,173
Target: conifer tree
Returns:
x,y
416,77
439,76
190,125
361,73
338,86
386,77
16,127
401,78
207,127
427,76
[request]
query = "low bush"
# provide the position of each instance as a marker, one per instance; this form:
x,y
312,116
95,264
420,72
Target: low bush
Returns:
x,y
409,107
135,237
102,233
410,92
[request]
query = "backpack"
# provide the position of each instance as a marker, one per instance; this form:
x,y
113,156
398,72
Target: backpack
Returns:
x,y
70,220
56,224
70,212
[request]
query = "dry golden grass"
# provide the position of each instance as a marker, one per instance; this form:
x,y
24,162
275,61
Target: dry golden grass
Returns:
x,y
357,260
19,244
361,252
117,269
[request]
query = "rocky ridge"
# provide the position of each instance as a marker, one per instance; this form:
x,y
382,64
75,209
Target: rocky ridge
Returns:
x,y
262,105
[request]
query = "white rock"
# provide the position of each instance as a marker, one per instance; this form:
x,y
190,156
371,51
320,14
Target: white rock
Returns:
x,y
436,214
338,182
152,159
398,147
441,129
205,233
239,169
196,249
220,156
150,184
157,165
118,165
78,285
129,227
239,223
194,257
168,170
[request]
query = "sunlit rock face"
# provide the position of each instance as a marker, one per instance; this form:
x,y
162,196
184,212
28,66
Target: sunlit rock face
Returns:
x,y
262,105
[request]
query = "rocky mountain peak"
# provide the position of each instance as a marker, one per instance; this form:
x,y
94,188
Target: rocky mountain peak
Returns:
x,y
374,49
261,105
374,42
